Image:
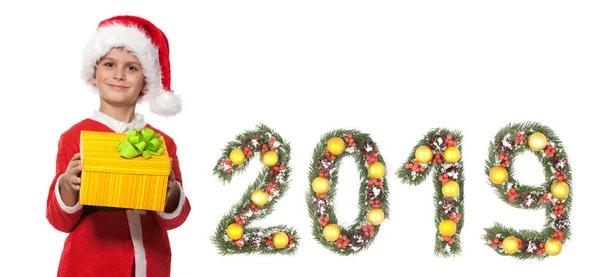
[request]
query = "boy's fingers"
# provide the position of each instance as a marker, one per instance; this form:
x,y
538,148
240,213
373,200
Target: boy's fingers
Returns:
x,y
74,170
73,164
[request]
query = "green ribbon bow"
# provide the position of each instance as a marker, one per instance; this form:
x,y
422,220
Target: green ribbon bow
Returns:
x,y
143,142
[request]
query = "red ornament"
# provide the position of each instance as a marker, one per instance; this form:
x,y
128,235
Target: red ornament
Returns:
x,y
558,234
239,242
496,242
512,194
323,220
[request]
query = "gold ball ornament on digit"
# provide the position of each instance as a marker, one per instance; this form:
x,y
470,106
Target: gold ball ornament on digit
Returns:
x,y
452,155
498,175
259,197
376,170
510,245
280,240
423,154
237,156
336,146
235,231
537,141
450,189
375,216
331,232
553,246
270,158
560,190
447,227
320,185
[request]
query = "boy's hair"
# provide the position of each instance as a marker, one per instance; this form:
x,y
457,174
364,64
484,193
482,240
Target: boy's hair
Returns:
x,y
149,44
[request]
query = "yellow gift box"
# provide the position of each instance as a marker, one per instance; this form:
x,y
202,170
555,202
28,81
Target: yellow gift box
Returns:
x,y
110,180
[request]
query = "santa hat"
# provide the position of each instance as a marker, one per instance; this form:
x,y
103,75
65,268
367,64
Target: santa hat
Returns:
x,y
149,44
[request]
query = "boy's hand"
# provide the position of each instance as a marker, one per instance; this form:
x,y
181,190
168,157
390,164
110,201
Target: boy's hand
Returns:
x,y
71,181
72,178
173,194
172,174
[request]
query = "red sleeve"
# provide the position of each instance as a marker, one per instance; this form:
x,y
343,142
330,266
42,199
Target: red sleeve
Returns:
x,y
61,216
175,219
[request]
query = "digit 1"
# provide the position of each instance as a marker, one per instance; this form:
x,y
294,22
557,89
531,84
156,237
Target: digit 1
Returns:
x,y
323,177
233,236
554,195
441,149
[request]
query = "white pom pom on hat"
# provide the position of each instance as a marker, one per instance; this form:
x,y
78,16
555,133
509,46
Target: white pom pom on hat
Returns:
x,y
150,45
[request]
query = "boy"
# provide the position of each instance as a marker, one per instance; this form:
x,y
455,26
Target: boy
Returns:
x,y
126,61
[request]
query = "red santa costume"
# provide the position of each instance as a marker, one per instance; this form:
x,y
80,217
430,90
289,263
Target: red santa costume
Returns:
x,y
109,241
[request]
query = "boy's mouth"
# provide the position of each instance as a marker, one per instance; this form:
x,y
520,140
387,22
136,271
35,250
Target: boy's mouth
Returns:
x,y
116,87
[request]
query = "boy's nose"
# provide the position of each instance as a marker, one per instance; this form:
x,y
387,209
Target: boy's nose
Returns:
x,y
118,74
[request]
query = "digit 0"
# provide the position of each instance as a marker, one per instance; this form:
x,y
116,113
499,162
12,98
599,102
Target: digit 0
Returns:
x,y
554,195
233,236
440,149
323,177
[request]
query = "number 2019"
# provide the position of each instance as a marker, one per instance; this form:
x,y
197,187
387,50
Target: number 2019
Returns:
x,y
439,150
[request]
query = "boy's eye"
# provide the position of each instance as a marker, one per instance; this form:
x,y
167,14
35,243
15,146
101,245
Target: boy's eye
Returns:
x,y
108,64
132,68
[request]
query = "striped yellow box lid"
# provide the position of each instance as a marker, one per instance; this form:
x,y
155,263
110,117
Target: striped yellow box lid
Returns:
x,y
109,180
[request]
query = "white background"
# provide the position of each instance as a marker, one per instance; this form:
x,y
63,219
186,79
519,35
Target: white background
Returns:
x,y
388,68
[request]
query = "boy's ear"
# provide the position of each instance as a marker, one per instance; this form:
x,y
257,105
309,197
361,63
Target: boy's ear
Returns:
x,y
145,87
93,81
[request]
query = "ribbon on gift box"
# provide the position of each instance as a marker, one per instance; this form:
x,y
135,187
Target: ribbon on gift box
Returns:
x,y
143,142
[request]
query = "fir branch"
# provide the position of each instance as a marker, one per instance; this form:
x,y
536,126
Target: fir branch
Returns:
x,y
264,181
226,247
542,194
500,232
415,173
353,233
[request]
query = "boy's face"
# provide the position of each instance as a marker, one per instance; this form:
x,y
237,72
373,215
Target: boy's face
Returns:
x,y
119,78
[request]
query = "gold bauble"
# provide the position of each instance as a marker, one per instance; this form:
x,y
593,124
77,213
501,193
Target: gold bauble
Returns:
x,y
553,246
270,158
423,154
235,231
498,175
237,156
320,185
560,190
510,245
450,189
259,197
336,146
537,141
331,232
376,170
375,216
452,155
280,240
447,227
